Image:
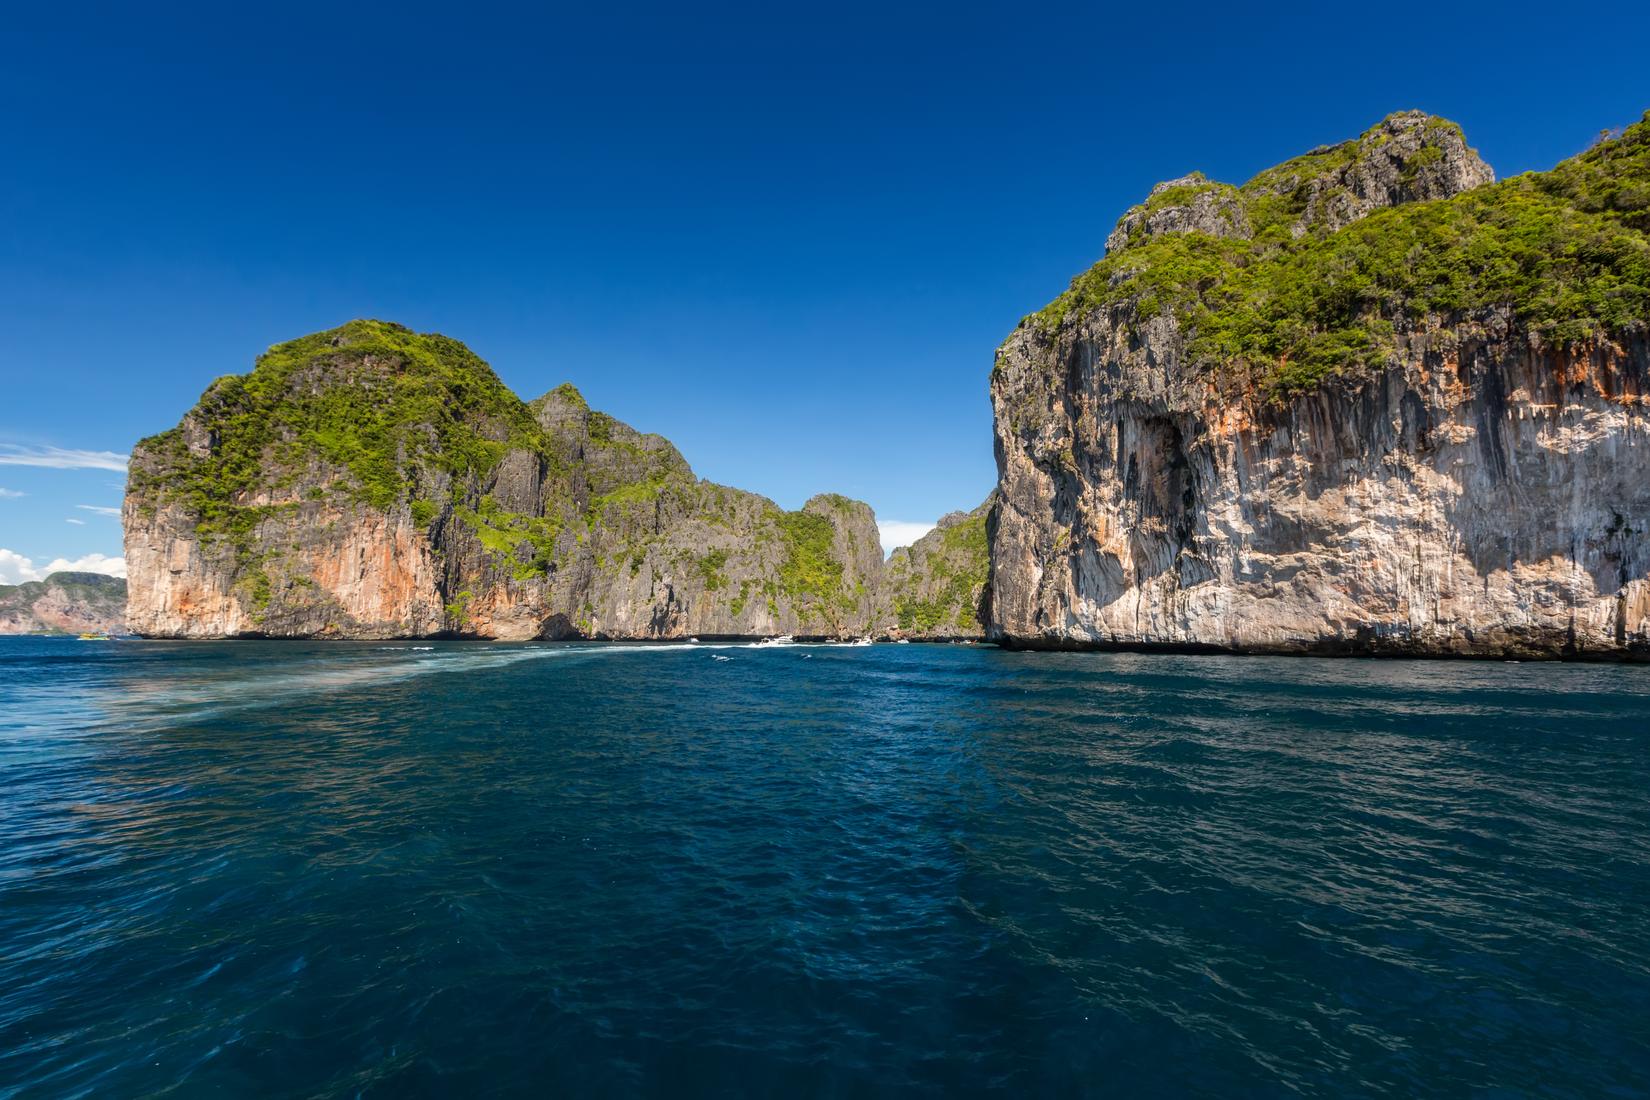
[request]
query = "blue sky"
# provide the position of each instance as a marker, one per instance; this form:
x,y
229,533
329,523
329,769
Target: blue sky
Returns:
x,y
788,237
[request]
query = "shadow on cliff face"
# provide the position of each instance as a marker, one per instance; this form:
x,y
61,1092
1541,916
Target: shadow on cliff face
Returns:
x,y
1549,426
1515,459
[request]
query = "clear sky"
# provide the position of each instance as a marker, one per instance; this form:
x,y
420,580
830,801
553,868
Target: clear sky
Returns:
x,y
787,236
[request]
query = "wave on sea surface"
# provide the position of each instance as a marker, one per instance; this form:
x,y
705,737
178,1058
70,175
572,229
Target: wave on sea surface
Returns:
x,y
194,695
912,870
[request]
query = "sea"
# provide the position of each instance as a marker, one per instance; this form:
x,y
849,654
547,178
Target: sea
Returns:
x,y
469,869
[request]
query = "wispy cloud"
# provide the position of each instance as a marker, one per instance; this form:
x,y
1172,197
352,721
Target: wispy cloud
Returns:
x,y
899,532
16,569
60,458
76,522
10,494
100,509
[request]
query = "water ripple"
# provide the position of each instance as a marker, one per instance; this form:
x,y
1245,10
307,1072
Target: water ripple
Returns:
x,y
394,870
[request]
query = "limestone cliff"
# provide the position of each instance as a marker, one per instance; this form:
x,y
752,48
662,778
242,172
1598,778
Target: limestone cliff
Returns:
x,y
936,588
1368,402
371,482
64,603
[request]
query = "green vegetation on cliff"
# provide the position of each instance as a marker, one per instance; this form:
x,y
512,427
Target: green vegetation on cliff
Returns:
x,y
938,583
1568,251
410,447
526,544
374,398
809,573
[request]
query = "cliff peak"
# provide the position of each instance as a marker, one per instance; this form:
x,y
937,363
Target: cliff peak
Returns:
x,y
566,395
374,399
1409,156
1310,270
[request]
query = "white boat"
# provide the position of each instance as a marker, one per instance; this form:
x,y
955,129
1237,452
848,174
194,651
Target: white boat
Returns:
x,y
783,639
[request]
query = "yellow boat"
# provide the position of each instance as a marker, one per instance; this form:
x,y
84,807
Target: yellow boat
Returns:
x,y
94,638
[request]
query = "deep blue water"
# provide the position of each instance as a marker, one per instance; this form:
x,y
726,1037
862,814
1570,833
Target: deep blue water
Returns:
x,y
462,869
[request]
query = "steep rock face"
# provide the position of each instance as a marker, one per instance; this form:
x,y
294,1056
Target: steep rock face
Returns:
x,y
1315,421
371,482
64,603
936,588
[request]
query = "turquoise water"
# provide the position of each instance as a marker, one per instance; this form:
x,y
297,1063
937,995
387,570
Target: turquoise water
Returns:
x,y
398,870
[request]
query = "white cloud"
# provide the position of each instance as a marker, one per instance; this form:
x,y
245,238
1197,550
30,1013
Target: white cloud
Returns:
x,y
91,563
15,568
76,522
59,458
899,532
10,494
99,509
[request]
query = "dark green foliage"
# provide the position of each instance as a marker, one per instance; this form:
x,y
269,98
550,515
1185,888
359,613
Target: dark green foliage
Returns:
x,y
957,570
1568,251
371,397
737,606
376,417
810,574
527,544
259,587
710,567
631,493
459,609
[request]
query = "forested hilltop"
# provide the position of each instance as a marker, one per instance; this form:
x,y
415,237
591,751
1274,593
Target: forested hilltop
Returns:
x,y
64,603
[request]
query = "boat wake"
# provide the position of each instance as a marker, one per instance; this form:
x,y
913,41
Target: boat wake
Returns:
x,y
167,700
182,694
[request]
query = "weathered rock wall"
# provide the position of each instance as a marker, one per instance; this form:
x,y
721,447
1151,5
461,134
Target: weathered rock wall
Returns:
x,y
1490,498
1482,492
